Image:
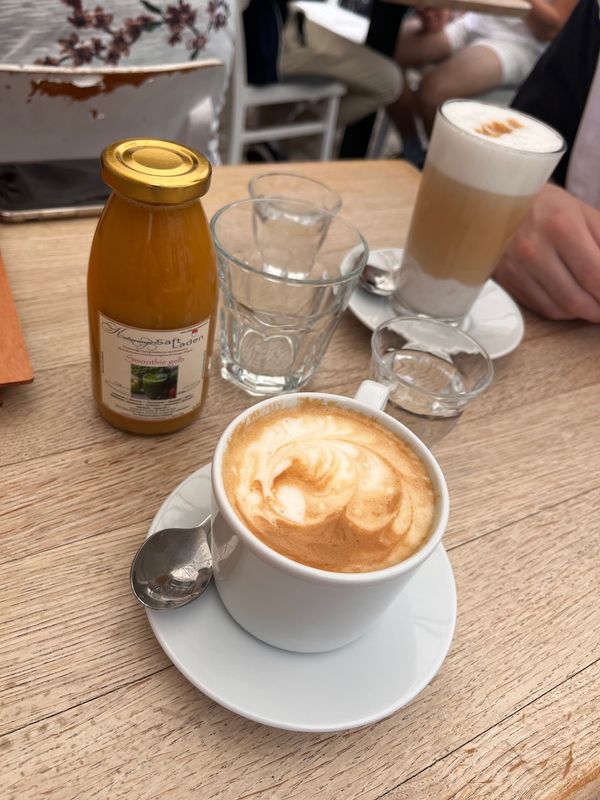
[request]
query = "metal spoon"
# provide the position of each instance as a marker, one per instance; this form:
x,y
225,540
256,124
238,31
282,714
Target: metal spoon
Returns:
x,y
172,567
379,280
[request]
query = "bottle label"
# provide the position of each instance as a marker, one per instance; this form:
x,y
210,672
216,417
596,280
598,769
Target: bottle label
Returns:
x,y
152,375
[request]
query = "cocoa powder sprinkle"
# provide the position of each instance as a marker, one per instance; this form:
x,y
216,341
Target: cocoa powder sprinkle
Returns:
x,y
496,128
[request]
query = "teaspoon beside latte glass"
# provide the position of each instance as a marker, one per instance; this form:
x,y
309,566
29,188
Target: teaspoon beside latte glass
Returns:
x,y
172,567
379,278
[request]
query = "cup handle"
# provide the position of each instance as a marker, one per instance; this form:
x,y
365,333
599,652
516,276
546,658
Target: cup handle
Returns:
x,y
372,394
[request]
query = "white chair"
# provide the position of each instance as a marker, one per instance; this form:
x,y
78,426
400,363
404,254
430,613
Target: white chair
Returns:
x,y
245,97
57,113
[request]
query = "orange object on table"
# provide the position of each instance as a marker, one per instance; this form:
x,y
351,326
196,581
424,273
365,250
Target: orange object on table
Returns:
x,y
15,366
152,288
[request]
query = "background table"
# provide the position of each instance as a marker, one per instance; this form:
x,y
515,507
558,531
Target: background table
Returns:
x,y
499,8
355,26
90,707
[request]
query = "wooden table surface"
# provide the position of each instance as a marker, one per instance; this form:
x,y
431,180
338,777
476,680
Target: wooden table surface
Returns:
x,y
499,8
355,26
90,707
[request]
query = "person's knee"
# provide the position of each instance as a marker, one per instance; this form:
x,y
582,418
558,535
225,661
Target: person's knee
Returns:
x,y
390,84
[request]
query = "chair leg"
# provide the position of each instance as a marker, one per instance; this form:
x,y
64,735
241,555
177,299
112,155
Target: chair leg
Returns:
x,y
382,127
237,126
328,138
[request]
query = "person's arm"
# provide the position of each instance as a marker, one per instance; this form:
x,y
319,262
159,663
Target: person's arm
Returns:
x,y
546,19
552,263
433,19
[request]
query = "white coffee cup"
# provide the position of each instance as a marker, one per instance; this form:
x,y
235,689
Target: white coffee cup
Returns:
x,y
291,605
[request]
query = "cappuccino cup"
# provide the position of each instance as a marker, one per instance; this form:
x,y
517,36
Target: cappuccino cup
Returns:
x,y
311,569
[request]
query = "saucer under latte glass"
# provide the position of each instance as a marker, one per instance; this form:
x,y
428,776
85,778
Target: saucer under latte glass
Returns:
x,y
433,371
484,166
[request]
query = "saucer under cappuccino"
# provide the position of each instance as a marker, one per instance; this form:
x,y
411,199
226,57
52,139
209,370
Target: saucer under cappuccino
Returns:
x,y
329,487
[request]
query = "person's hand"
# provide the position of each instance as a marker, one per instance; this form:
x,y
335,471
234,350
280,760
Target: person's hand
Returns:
x,y
433,19
552,263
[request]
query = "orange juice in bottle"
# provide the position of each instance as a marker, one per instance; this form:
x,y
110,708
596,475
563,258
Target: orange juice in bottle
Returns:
x,y
152,288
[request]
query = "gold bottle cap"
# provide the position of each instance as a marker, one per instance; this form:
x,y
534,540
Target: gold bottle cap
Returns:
x,y
155,171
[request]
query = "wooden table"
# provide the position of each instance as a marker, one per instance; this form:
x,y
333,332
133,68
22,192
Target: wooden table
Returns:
x,y
90,707
499,8
355,27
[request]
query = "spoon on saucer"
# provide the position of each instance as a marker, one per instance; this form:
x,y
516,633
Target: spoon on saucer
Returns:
x,y
380,278
172,567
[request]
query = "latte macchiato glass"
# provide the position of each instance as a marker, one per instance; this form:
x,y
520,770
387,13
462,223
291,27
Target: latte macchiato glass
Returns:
x,y
484,166
324,507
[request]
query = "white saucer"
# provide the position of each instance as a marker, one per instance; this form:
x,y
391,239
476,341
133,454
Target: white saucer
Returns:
x,y
495,320
346,688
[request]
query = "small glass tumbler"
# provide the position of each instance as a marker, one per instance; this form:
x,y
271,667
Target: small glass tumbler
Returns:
x,y
433,371
285,282
289,186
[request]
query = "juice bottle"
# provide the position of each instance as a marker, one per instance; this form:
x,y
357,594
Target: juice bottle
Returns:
x,y
152,288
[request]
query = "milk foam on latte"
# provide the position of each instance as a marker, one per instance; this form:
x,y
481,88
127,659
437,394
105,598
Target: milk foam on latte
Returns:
x,y
507,139
329,487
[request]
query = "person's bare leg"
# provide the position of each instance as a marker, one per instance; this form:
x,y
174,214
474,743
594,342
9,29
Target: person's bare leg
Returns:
x,y
402,112
471,71
416,48
372,80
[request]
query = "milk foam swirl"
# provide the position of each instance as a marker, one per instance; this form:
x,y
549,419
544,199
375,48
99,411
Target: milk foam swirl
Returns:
x,y
329,487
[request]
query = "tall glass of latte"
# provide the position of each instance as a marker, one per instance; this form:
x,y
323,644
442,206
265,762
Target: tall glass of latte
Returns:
x,y
485,164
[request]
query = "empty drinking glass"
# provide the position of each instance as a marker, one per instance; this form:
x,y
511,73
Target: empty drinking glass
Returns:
x,y
278,191
433,371
285,280
290,186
